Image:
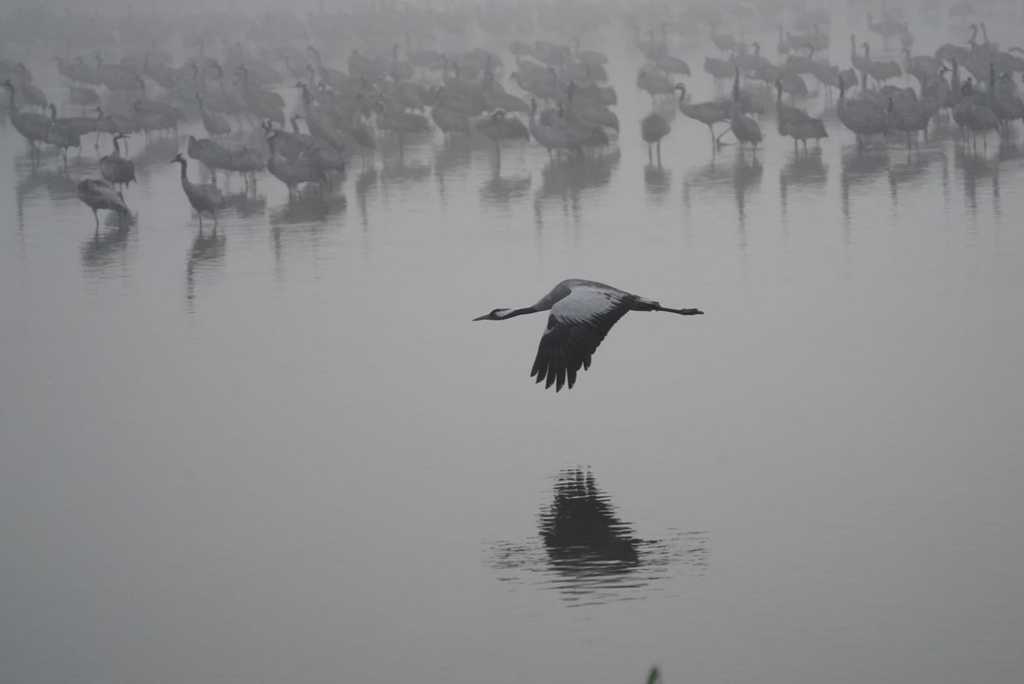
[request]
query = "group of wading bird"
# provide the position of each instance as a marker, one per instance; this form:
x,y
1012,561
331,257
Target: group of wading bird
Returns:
x,y
346,111
986,101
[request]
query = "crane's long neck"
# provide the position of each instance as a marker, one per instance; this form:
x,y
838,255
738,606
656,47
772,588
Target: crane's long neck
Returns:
x,y
512,313
184,175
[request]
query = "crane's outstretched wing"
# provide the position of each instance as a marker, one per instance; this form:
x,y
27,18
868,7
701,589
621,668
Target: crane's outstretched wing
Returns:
x,y
576,326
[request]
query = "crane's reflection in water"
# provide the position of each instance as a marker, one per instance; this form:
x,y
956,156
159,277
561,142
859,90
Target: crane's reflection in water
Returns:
x,y
590,555
309,205
804,172
657,182
502,191
205,258
567,178
365,185
910,170
107,249
741,177
858,168
975,168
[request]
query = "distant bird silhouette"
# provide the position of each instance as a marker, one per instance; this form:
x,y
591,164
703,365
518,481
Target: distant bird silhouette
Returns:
x,y
205,199
33,127
744,128
652,129
99,194
114,168
708,113
582,313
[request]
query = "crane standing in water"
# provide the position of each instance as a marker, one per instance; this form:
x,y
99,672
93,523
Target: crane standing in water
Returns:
x,y
582,313
743,127
99,194
114,168
33,127
653,128
205,199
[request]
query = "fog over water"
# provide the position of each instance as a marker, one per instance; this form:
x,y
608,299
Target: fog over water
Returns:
x,y
280,450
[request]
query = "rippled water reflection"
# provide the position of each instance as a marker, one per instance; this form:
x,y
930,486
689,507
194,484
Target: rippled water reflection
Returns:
x,y
589,555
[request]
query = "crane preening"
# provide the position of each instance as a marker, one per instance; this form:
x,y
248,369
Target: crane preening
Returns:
x,y
582,313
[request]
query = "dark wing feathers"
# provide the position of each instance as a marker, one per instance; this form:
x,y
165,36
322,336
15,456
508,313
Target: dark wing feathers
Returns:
x,y
577,325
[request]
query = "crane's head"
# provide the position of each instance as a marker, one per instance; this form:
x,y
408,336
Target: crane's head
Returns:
x,y
495,315
178,159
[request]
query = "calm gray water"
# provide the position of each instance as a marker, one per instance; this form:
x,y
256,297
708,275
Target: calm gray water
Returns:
x,y
284,453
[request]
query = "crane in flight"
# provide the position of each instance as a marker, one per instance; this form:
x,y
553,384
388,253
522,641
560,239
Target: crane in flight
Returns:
x,y
582,313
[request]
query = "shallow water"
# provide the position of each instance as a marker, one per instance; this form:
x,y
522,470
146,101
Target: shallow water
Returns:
x,y
283,451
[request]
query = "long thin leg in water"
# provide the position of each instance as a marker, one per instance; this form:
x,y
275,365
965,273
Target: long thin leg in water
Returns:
x,y
96,217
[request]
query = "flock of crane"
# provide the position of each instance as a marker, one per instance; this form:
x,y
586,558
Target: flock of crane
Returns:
x,y
410,92
987,100
289,112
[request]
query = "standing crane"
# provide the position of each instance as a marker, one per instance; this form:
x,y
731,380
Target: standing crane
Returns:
x,y
114,168
63,134
863,117
743,127
99,194
653,128
708,113
33,127
204,198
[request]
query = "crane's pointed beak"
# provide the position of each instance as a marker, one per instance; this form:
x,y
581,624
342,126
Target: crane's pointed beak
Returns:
x,y
482,318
